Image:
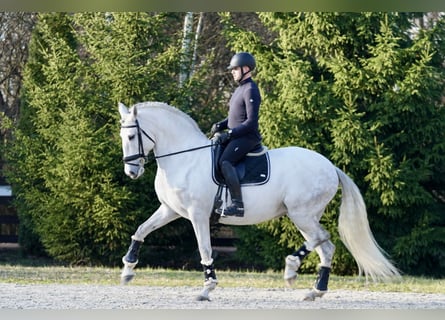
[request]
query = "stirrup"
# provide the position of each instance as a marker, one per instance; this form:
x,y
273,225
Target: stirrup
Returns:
x,y
232,210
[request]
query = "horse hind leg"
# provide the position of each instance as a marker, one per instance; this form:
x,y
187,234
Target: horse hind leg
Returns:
x,y
317,239
293,263
325,251
314,235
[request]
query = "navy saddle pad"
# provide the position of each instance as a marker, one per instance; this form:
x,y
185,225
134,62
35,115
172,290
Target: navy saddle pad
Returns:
x,y
253,170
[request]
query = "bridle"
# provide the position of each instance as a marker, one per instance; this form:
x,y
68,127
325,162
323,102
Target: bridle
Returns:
x,y
141,153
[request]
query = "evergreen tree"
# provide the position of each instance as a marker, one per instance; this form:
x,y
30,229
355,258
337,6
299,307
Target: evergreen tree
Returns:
x,y
364,89
66,168
367,92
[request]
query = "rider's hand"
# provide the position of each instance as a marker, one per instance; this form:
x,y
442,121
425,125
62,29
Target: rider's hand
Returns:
x,y
215,129
221,138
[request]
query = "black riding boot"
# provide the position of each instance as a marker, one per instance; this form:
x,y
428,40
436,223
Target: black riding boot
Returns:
x,y
232,181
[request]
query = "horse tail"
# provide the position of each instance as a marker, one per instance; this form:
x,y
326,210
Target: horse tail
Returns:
x,y
354,230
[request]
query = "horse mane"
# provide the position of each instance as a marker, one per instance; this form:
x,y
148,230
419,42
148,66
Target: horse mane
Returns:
x,y
168,108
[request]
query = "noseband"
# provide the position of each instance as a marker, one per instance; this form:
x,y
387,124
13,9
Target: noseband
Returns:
x,y
141,153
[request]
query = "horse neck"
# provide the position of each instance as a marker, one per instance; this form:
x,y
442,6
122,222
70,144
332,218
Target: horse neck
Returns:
x,y
172,132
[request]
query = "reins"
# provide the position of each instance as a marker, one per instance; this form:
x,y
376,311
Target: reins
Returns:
x,y
183,151
141,153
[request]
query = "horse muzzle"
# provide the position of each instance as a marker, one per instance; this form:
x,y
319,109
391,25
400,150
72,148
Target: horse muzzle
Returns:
x,y
135,170
135,175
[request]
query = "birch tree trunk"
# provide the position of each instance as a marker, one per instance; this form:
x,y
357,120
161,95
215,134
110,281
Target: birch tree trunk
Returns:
x,y
195,47
186,48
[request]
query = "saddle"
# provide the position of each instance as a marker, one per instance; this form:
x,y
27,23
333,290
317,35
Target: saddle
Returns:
x,y
253,170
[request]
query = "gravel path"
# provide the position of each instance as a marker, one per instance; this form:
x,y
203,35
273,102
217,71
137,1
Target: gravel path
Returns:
x,y
51,296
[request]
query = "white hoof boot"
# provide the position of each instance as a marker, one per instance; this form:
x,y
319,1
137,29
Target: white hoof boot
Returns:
x,y
314,293
209,285
290,269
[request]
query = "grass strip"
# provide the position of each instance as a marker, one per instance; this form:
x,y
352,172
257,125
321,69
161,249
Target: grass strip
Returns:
x,y
177,278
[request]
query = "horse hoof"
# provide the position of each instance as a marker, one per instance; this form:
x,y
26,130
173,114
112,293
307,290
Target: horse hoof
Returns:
x,y
290,269
311,295
202,298
290,282
308,297
126,279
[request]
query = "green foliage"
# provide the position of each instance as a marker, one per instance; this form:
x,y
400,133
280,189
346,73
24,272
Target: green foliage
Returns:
x,y
66,158
366,92
361,88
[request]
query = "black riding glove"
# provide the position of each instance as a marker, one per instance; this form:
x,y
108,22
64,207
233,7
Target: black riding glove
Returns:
x,y
215,128
222,138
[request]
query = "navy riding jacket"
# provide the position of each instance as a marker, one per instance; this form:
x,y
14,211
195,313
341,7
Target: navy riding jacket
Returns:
x,y
243,114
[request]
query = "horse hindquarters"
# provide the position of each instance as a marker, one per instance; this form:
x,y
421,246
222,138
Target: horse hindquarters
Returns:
x,y
313,186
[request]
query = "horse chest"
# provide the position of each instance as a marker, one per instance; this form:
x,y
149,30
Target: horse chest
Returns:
x,y
171,192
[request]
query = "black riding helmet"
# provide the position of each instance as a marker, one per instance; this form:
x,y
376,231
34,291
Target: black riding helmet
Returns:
x,y
242,59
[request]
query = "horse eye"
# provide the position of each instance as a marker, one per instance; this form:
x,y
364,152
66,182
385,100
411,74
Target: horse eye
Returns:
x,y
131,137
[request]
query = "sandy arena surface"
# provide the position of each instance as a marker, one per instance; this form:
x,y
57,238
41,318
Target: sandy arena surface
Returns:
x,y
52,296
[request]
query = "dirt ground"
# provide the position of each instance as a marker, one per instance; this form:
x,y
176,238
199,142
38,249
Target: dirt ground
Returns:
x,y
51,296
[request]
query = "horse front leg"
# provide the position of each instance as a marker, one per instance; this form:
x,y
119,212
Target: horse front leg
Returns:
x,y
210,282
162,216
201,226
130,261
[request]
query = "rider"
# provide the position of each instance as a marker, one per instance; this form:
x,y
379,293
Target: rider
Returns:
x,y
242,135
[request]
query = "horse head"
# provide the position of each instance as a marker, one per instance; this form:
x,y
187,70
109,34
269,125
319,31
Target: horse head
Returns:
x,y
136,143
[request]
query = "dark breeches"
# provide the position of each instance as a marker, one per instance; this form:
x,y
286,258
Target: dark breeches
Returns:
x,y
237,149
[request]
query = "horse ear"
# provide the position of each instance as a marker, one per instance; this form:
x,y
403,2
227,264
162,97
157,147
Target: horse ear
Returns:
x,y
123,110
135,111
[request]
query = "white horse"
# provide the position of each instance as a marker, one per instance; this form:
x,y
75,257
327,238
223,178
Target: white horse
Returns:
x,y
301,184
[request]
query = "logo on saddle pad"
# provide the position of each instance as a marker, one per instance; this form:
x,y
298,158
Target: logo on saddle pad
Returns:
x,y
253,170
